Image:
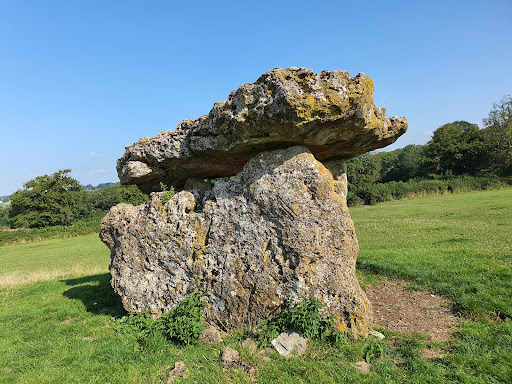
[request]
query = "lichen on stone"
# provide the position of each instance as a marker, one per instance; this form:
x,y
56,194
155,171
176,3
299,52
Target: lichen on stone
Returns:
x,y
276,230
330,113
274,226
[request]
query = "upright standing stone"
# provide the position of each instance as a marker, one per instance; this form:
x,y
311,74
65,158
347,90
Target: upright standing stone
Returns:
x,y
277,229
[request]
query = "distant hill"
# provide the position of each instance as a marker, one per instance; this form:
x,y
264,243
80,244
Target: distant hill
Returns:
x,y
90,187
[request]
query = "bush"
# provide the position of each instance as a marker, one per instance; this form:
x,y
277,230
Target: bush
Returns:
x,y
395,190
168,193
303,317
89,209
4,216
103,199
182,325
58,231
353,199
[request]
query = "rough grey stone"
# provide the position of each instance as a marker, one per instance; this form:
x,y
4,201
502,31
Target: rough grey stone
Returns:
x,y
277,229
210,336
179,370
376,334
363,366
290,343
250,344
338,169
230,358
330,113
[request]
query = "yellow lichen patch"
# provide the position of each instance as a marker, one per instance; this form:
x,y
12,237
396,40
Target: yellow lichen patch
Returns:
x,y
265,299
341,327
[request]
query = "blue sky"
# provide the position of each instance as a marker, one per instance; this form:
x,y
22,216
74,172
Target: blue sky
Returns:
x,y
80,80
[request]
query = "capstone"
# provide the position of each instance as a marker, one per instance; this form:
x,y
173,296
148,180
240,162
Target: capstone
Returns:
x,y
331,113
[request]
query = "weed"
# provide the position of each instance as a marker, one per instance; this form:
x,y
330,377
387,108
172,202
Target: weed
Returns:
x,y
303,317
182,325
373,350
168,192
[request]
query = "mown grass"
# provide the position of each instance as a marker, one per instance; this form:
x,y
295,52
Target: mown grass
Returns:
x,y
459,245
52,259
65,331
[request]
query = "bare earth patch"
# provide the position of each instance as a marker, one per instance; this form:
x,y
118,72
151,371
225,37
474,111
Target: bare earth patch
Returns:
x,y
400,309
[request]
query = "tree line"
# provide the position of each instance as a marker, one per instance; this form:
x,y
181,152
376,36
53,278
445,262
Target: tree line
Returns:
x,y
60,200
459,155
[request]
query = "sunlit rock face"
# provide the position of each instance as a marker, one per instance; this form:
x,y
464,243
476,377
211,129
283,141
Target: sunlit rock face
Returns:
x,y
278,228
275,230
331,113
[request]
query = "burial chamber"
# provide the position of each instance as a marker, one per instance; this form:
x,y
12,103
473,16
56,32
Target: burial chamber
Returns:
x,y
276,226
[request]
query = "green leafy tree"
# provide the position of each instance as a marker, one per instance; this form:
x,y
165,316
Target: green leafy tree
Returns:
x,y
4,216
103,199
363,173
456,148
498,137
48,200
405,163
389,164
363,170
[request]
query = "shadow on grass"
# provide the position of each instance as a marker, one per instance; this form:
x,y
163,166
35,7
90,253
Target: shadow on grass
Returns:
x,y
97,295
373,269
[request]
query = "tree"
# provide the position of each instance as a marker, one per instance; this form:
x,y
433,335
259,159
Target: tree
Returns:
x,y
405,163
4,216
363,170
456,148
498,136
46,201
103,199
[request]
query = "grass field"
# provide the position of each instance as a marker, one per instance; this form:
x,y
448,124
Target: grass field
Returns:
x,y
58,312
52,259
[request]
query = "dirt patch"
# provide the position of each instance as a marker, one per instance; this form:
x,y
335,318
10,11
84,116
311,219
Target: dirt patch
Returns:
x,y
433,353
400,309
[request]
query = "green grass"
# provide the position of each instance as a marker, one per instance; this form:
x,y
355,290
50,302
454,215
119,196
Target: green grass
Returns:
x,y
52,259
459,245
64,330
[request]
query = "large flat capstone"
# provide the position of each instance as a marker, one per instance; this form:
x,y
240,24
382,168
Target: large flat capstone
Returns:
x,y
331,113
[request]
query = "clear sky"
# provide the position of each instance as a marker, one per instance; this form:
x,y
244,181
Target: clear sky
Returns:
x,y
82,79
